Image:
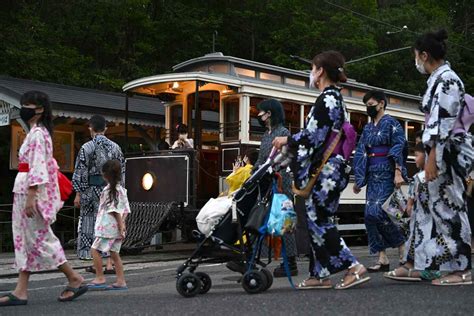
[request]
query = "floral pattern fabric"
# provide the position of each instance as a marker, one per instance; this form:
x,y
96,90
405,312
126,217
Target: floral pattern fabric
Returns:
x,y
329,251
36,246
106,225
378,176
448,246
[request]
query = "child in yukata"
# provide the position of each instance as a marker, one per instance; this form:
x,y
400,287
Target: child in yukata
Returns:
x,y
419,229
110,227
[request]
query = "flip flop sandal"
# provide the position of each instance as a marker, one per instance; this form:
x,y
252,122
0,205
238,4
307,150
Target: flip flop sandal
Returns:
x,y
13,301
304,286
430,275
90,270
379,267
358,280
109,271
96,286
77,291
466,279
116,288
393,275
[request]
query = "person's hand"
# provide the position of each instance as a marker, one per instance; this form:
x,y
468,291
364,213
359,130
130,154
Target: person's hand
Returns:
x,y
409,207
431,170
30,206
122,231
279,142
77,200
398,180
235,166
356,189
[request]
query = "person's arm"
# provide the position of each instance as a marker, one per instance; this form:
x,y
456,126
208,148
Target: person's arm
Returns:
x,y
80,177
396,151
360,163
120,222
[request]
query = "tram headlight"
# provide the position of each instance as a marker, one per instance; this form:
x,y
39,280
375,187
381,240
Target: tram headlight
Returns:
x,y
148,181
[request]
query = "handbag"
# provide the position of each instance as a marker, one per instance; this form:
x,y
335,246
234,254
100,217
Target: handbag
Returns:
x,y
65,186
395,206
257,217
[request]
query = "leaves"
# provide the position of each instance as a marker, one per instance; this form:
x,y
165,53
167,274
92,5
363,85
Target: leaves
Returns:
x,y
104,43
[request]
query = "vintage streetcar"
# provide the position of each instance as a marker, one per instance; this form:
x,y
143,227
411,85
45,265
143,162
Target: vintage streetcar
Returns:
x,y
217,97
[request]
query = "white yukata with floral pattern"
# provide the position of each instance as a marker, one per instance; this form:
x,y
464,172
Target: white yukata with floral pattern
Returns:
x,y
107,234
36,246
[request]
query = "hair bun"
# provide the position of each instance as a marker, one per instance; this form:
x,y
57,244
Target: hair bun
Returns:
x,y
441,35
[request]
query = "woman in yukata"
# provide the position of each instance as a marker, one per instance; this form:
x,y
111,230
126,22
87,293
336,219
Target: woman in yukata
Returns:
x,y
329,253
35,204
379,164
445,242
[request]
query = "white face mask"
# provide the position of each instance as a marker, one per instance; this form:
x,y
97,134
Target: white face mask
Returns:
x,y
312,82
420,67
183,136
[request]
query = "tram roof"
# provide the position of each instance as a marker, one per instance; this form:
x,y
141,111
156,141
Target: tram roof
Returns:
x,y
192,70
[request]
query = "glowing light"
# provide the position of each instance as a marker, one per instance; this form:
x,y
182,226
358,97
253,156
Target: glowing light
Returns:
x,y
148,181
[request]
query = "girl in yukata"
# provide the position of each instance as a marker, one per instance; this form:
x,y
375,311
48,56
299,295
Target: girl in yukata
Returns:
x,y
447,242
36,201
110,226
379,164
329,253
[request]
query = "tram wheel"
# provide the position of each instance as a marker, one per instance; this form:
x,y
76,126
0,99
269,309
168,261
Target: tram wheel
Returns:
x,y
206,282
188,285
254,282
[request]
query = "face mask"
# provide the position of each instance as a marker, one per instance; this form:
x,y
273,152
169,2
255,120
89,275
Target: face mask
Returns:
x,y
420,67
372,111
311,80
27,114
183,136
261,121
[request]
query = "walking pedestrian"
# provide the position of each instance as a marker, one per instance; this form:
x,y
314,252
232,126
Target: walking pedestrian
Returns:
x,y
329,253
88,183
448,163
110,226
379,164
35,204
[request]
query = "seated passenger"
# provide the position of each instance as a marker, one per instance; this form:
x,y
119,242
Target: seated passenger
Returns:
x,y
183,142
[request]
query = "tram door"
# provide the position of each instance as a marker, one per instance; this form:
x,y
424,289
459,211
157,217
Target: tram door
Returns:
x,y
205,124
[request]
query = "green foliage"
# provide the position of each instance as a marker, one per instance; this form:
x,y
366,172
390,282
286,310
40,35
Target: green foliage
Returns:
x,y
105,43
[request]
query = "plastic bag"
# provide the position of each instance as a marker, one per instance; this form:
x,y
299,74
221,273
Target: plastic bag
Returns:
x,y
395,206
282,218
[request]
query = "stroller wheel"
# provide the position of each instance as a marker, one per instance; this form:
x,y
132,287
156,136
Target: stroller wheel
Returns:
x,y
269,276
188,285
206,282
254,282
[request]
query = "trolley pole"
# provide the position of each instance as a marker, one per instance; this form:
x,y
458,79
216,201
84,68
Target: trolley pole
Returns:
x,y
126,122
197,116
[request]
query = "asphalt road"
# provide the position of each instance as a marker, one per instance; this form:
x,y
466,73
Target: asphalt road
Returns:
x,y
152,292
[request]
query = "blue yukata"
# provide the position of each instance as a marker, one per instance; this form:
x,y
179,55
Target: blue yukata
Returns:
x,y
329,253
380,147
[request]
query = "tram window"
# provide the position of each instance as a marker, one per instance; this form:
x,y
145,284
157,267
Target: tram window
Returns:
x,y
176,118
359,120
255,130
413,128
270,77
243,72
292,116
295,82
231,119
219,68
209,116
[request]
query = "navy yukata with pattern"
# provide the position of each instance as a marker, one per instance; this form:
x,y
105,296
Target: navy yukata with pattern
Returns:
x,y
378,173
329,251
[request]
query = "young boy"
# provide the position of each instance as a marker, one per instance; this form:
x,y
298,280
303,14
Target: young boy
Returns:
x,y
417,206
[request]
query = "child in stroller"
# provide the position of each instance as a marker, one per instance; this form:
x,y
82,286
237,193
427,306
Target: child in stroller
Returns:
x,y
219,245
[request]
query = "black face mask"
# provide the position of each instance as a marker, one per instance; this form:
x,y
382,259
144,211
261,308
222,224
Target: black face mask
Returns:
x,y
27,114
372,111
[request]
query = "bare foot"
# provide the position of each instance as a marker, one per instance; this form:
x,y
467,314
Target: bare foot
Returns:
x,y
119,284
98,280
23,296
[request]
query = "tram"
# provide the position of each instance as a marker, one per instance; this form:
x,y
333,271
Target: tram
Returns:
x,y
217,97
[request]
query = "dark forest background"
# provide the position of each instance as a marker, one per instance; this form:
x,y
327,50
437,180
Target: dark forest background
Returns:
x,y
104,43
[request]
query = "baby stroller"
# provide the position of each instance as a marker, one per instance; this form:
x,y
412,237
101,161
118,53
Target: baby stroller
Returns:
x,y
219,246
